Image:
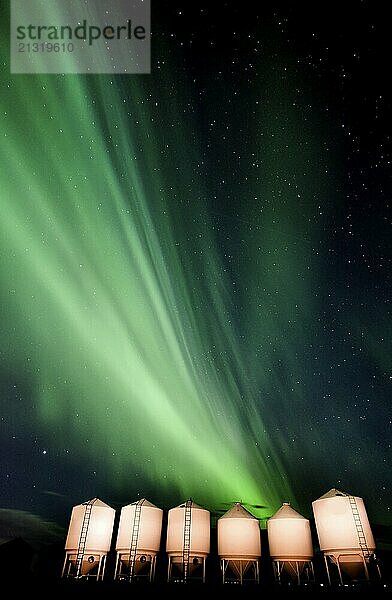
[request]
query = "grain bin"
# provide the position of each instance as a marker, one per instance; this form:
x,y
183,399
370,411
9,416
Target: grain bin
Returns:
x,y
187,541
88,540
344,533
138,541
290,545
239,547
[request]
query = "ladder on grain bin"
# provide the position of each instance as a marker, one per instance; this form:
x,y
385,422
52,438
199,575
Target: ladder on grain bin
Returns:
x,y
134,539
186,548
359,528
83,537
367,555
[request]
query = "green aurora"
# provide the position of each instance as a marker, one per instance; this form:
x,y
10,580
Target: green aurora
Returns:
x,y
168,311
101,286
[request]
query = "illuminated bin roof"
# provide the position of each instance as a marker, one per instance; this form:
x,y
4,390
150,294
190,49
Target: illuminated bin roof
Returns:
x,y
238,534
340,521
99,523
289,536
199,530
148,529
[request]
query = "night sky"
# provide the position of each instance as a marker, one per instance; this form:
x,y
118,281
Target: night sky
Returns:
x,y
196,268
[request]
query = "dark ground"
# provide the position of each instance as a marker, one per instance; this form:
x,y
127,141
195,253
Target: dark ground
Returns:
x,y
37,572
87,590
41,578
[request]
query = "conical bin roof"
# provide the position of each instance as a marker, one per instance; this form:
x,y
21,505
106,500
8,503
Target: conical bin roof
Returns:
x,y
287,512
95,502
332,493
237,511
